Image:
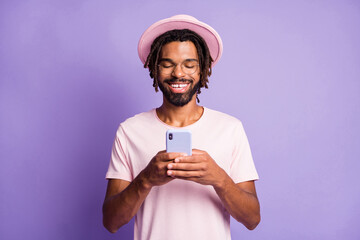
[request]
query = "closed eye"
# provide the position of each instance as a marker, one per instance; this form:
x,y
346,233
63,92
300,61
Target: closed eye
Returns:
x,y
190,66
167,66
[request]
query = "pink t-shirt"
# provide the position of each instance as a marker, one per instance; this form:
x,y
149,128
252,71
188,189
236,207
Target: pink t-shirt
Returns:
x,y
182,209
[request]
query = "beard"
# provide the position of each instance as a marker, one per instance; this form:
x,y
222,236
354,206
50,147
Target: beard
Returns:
x,y
179,99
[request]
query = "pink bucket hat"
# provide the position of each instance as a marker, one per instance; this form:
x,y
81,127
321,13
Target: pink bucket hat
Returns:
x,y
210,36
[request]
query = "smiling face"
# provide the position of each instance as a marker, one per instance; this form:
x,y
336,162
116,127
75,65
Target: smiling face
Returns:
x,y
180,85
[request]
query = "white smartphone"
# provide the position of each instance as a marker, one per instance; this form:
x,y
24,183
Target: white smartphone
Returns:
x,y
179,140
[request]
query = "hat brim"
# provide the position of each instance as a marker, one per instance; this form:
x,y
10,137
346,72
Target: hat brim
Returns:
x,y
210,36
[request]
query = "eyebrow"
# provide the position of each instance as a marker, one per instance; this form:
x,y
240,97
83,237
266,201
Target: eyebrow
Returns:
x,y
170,60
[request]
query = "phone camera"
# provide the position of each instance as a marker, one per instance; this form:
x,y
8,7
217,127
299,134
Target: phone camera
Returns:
x,y
170,136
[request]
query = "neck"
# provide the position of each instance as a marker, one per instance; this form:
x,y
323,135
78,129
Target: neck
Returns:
x,y
179,116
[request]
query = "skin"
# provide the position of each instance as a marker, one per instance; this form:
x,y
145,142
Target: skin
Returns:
x,y
123,199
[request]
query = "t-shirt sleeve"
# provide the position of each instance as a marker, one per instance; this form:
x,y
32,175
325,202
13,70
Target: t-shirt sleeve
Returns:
x,y
119,167
242,167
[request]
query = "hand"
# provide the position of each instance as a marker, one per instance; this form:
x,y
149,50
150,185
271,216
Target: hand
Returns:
x,y
199,167
155,172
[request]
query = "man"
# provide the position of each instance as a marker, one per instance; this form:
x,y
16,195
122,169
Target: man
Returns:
x,y
171,195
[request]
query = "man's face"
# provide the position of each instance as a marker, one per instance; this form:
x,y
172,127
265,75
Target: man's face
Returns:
x,y
179,73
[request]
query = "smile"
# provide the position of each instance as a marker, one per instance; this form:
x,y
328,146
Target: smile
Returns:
x,y
179,87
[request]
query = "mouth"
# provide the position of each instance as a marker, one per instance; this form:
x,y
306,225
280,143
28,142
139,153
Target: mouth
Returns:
x,y
179,87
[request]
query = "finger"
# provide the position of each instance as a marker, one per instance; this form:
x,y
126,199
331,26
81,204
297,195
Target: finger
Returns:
x,y
186,166
197,151
189,159
185,174
170,156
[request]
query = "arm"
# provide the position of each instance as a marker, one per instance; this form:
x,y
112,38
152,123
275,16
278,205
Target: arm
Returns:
x,y
240,199
123,198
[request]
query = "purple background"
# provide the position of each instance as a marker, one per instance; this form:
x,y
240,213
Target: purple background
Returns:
x,y
69,74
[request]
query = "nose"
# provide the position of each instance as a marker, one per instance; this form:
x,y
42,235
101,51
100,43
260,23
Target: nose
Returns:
x,y
178,72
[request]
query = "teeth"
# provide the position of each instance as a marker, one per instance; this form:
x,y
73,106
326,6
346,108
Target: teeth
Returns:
x,y
178,85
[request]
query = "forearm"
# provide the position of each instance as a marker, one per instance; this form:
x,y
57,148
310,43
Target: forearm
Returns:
x,y
242,205
120,208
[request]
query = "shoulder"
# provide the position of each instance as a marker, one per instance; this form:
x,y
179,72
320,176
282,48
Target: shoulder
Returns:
x,y
221,118
140,118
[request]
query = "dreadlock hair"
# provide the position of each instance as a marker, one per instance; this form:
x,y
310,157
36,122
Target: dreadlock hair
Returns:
x,y
182,35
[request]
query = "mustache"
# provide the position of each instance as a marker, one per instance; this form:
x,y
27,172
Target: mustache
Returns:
x,y
173,80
